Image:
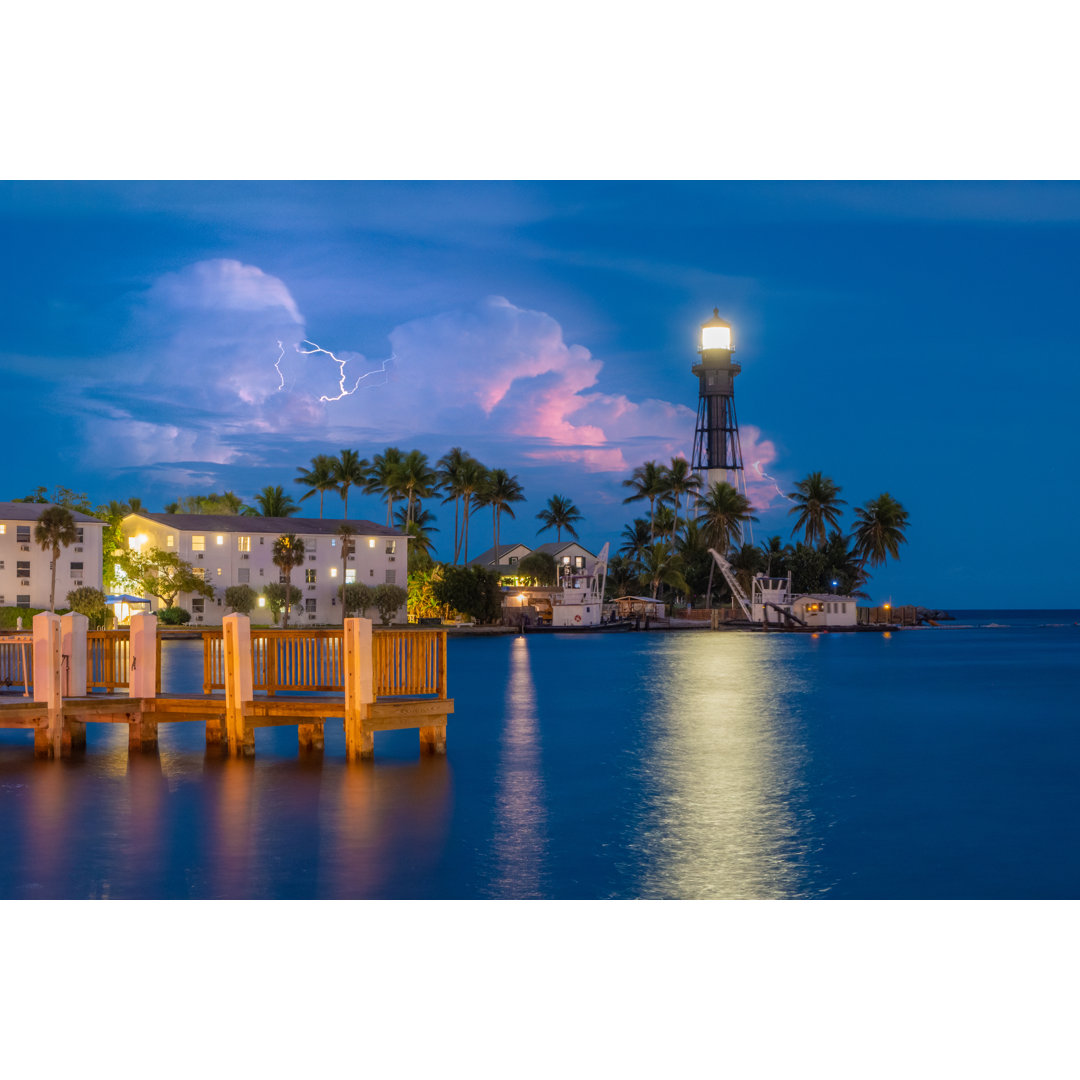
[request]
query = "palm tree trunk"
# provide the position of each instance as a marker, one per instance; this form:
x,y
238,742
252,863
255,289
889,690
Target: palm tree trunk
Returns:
x,y
708,600
345,496
652,531
465,532
457,535
52,587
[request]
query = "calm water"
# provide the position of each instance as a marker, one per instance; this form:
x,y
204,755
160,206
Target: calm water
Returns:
x,y
925,764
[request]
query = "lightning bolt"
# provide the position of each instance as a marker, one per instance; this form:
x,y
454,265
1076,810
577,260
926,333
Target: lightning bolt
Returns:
x,y
765,476
341,370
277,367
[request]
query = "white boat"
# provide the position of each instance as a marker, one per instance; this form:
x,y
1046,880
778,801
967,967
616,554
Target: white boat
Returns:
x,y
580,602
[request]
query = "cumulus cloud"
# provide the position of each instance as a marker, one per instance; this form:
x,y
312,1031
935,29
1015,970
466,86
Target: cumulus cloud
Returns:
x,y
224,285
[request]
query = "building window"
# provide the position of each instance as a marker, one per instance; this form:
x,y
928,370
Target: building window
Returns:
x,y
333,571
333,541
243,576
219,571
371,542
170,540
309,577
309,606
311,544
78,536
198,543
512,560
76,569
221,541
391,577
22,534
262,572
350,576
243,543
198,605
282,579
22,601
391,546
23,569
3,529
566,560
579,561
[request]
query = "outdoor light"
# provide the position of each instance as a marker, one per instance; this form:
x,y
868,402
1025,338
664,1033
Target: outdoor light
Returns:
x,y
262,601
715,334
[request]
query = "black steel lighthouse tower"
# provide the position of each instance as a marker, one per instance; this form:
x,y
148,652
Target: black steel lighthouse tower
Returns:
x,y
717,453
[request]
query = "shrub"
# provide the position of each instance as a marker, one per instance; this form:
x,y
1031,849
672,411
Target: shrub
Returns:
x,y
472,590
88,601
275,597
388,599
241,598
540,567
357,599
174,616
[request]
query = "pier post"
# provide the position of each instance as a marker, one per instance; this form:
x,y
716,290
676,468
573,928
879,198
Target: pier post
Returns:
x,y
48,741
239,684
73,629
359,689
310,737
142,679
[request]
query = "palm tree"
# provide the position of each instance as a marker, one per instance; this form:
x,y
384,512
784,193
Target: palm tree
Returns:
x,y
500,490
649,482
321,478
449,473
135,505
661,567
385,478
681,481
349,469
345,535
722,511
114,512
666,524
817,503
55,529
879,529
471,480
560,513
746,562
288,554
174,508
775,550
418,480
272,502
635,539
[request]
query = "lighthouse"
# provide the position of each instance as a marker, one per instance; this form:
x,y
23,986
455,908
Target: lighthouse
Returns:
x,y
717,453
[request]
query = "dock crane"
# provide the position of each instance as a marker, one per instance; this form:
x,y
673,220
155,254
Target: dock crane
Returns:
x,y
737,591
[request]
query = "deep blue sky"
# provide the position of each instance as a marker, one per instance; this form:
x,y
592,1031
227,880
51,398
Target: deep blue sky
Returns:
x,y
919,339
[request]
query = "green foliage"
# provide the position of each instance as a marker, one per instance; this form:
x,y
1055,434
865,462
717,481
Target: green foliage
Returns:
x,y
421,600
472,590
879,529
560,513
272,502
288,554
540,568
241,598
357,598
9,616
61,496
809,569
55,528
90,602
388,600
225,503
174,616
817,503
162,574
275,597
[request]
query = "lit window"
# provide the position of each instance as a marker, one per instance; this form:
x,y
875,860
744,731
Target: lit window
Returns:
x,y
370,543
220,540
198,543
333,571
3,529
333,541
391,546
309,577
350,576
219,571
243,543
262,601
170,540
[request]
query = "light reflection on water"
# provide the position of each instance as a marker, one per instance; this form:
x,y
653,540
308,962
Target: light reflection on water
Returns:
x,y
724,773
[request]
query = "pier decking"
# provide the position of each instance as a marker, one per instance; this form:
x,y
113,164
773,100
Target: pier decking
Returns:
x,y
373,681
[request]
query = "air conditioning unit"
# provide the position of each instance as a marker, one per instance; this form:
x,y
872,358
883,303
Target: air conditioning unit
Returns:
x,y
26,581
311,588
245,555
199,556
311,618
312,558
24,547
77,584
78,549
393,558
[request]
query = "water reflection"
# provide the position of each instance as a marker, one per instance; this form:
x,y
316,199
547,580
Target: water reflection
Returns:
x,y
724,772
520,844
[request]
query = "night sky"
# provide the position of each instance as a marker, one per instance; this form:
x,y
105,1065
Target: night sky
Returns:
x,y
919,339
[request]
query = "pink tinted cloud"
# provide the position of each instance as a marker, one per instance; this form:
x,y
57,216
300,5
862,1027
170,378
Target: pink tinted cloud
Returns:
x,y
763,490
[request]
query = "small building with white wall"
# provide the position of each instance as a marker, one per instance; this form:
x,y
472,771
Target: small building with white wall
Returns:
x,y
229,549
25,569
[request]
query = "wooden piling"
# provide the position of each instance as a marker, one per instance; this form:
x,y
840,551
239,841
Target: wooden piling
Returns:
x,y
47,686
310,737
239,692
143,680
359,689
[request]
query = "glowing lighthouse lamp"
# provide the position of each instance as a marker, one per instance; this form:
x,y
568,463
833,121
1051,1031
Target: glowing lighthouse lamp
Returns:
x,y
717,452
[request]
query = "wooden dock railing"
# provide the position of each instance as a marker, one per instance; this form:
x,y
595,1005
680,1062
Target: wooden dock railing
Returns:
x,y
406,662
108,658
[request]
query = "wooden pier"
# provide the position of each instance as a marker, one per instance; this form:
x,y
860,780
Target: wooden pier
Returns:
x,y
373,680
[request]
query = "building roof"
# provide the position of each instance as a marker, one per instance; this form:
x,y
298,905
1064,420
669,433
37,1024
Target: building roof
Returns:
x,y
821,596
554,548
19,511
256,524
486,558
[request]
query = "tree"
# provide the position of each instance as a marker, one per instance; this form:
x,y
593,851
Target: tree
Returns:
x,y
746,562
817,502
228,502
622,575
661,567
273,502
471,480
356,598
61,496
385,478
560,513
280,597
288,554
417,479
349,470
321,477
473,591
691,547
162,574
721,514
776,554
879,529
55,529
345,536
388,601
241,598
843,566
540,567
680,481
449,469
421,602
88,601
666,524
649,481
499,491
636,538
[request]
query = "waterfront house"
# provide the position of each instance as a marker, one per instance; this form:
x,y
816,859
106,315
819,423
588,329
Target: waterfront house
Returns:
x,y
25,570
569,553
228,549
504,560
825,609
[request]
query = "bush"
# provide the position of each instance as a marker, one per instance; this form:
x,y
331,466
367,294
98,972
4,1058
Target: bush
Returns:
x,y
241,598
275,597
357,599
388,600
540,567
472,590
88,601
174,616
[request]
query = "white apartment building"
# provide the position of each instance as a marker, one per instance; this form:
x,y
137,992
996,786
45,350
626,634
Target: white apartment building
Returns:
x,y
227,549
25,570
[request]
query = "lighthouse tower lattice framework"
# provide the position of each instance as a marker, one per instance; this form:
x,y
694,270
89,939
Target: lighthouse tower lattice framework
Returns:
x,y
717,451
